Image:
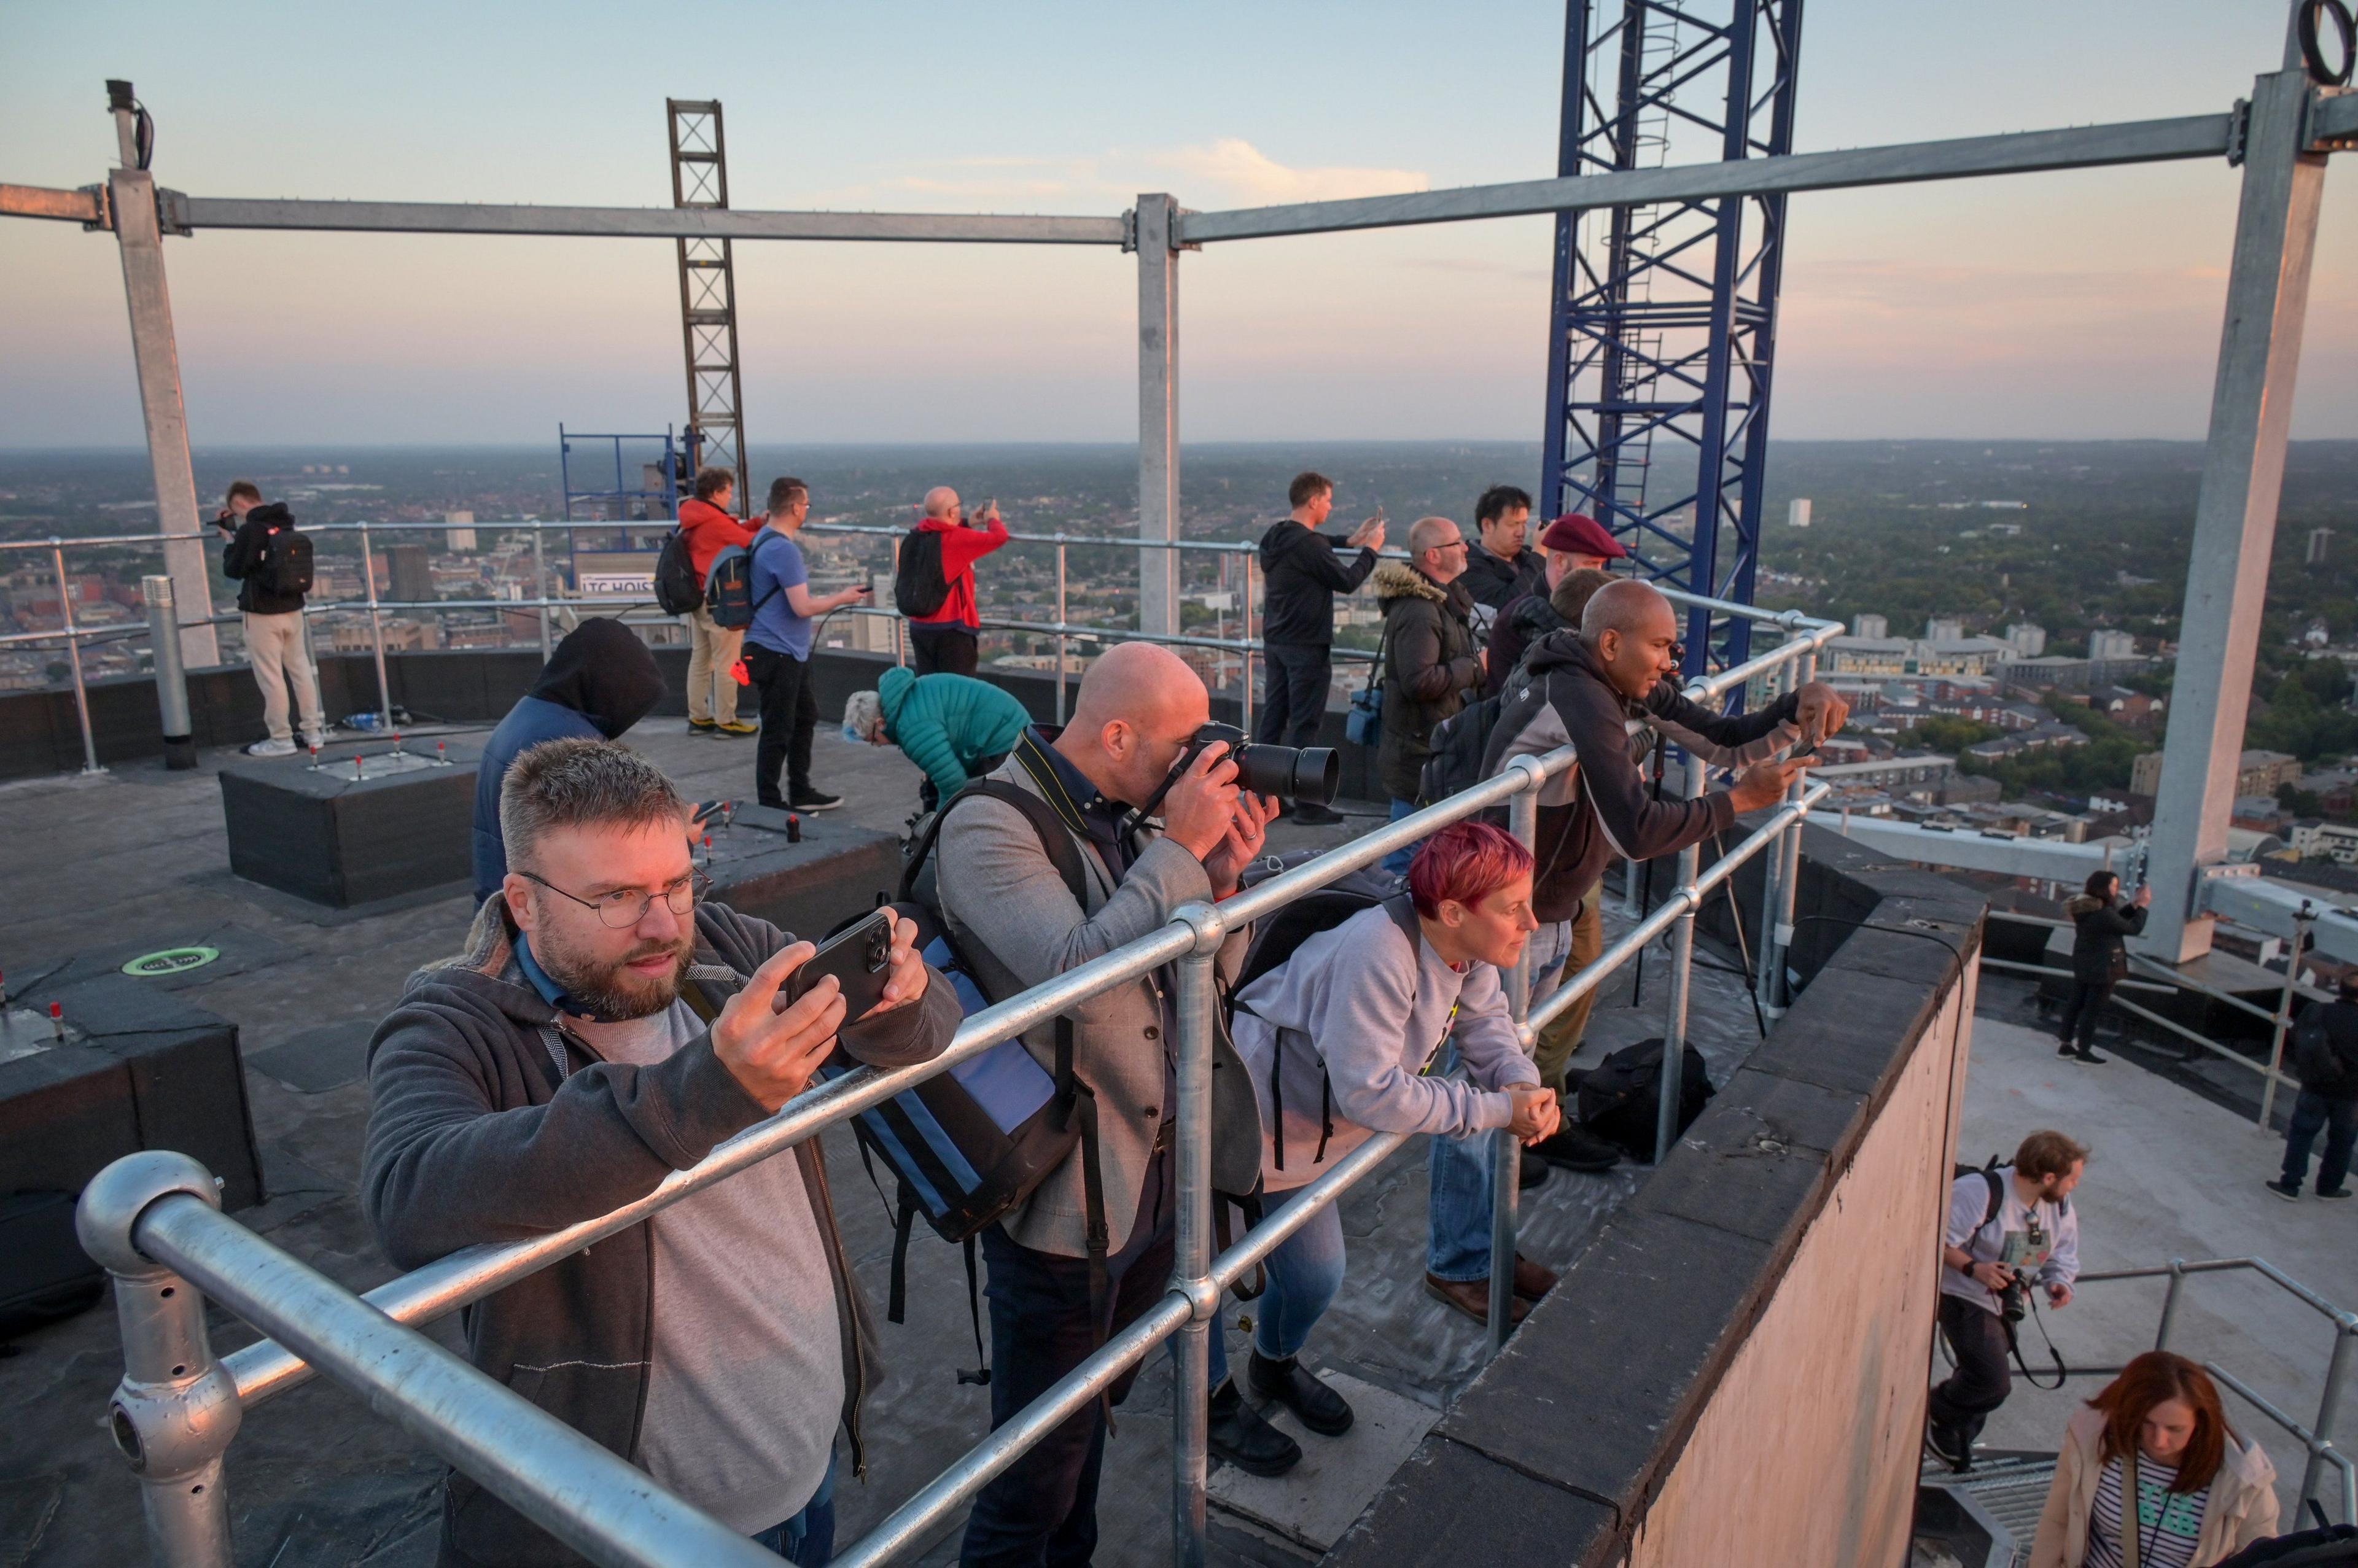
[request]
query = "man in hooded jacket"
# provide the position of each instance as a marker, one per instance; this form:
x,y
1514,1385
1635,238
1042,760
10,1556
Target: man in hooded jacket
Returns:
x,y
600,680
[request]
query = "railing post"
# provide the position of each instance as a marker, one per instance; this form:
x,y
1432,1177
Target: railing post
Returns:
x,y
539,587
73,658
900,622
2283,1018
1783,881
2345,1328
1244,636
1505,1160
1192,1261
1061,641
171,676
176,1409
1157,414
2169,1303
1675,1026
377,628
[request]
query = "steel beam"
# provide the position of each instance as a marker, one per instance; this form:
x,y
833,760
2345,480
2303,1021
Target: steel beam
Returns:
x,y
2049,859
131,194
2024,152
651,222
1158,414
2235,509
43,201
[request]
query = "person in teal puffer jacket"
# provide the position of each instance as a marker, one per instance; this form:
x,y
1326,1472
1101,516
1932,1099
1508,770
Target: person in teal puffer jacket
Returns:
x,y
955,727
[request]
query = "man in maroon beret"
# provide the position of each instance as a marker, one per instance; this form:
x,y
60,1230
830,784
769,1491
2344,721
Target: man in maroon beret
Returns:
x,y
1571,542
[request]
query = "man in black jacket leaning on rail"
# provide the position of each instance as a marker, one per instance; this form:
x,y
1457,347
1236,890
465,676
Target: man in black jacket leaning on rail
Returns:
x,y
605,1028
1608,689
1303,573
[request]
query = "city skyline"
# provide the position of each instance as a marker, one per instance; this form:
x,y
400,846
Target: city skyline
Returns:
x,y
2075,305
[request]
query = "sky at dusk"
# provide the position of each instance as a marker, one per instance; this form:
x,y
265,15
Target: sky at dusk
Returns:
x,y
2082,305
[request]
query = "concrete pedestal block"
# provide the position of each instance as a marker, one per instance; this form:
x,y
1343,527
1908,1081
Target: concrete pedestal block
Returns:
x,y
138,1068
340,837
835,872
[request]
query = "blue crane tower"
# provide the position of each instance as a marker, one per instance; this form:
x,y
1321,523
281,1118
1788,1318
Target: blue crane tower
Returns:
x,y
1663,328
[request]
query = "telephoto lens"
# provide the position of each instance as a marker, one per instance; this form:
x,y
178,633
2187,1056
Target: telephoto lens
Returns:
x,y
1308,775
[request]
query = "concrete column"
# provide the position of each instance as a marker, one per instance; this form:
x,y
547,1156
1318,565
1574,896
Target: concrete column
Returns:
x,y
1158,414
2235,515
131,194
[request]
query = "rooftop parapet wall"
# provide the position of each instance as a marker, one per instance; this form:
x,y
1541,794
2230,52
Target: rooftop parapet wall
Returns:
x,y
1734,1369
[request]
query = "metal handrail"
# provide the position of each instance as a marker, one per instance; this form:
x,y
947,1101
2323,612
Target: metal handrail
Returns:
x,y
347,1336
1246,647
2321,1449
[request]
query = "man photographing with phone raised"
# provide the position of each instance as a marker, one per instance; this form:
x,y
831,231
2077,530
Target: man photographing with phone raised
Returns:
x,y
606,1027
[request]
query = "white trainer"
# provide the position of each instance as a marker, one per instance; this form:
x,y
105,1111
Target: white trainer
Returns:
x,y
271,749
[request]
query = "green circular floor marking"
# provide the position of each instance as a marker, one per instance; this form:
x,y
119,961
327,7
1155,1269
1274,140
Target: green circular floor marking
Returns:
x,y
170,961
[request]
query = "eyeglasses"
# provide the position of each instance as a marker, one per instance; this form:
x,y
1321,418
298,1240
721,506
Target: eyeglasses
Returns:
x,y
625,907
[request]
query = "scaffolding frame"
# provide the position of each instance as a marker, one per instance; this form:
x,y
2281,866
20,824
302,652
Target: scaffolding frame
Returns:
x,y
708,293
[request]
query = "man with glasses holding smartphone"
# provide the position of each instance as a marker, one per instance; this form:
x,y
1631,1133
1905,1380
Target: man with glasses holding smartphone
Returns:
x,y
605,1027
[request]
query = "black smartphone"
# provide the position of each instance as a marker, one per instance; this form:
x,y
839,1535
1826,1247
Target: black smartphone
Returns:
x,y
860,959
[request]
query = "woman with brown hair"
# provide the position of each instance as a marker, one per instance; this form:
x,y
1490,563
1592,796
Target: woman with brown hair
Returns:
x,y
2150,1477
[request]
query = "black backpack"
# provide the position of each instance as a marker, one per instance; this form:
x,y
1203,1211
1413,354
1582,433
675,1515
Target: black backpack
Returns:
x,y
1620,1096
1459,745
919,589
1988,1173
677,589
286,562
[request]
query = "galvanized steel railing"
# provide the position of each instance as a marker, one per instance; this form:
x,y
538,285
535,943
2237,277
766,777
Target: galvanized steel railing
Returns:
x,y
154,1220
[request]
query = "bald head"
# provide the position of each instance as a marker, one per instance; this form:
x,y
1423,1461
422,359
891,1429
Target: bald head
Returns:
x,y
1633,634
941,501
1138,708
1628,606
1135,681
1432,533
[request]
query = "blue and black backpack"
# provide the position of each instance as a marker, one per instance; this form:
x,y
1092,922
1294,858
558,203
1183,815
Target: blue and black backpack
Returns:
x,y
970,1144
728,585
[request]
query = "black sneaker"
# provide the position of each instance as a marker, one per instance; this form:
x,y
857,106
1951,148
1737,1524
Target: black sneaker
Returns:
x,y
2337,1192
1576,1150
2090,1057
2290,1191
1239,1436
813,800
1310,815
1530,1174
2064,1049
1949,1446
1319,1407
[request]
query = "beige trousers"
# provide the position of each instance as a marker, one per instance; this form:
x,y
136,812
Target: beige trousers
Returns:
x,y
712,650
274,644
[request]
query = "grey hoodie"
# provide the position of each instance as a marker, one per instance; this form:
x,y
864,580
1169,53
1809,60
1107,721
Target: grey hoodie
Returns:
x,y
1354,1014
489,1122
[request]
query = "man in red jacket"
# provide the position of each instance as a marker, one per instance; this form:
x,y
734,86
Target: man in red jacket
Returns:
x,y
950,639
713,648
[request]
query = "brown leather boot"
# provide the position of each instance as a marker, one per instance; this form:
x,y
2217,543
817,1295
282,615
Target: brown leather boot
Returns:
x,y
1532,1281
1471,1297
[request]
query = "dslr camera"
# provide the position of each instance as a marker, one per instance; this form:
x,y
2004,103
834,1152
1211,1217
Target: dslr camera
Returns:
x,y
1308,775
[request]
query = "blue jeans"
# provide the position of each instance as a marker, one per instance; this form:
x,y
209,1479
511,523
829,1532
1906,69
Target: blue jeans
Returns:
x,y
808,1539
1304,1274
2338,1119
1397,861
1457,1219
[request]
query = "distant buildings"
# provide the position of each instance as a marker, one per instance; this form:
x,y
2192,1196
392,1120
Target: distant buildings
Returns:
x,y
2074,674
2030,640
2319,538
463,537
2335,841
2111,645
1944,629
2257,773
1872,627
1798,515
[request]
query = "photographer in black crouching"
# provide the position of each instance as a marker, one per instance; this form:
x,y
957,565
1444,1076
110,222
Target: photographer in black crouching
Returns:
x,y
2010,1228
